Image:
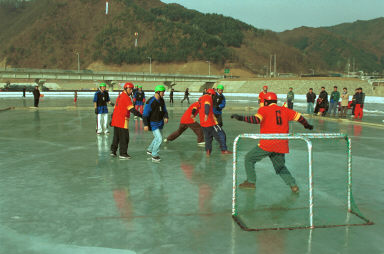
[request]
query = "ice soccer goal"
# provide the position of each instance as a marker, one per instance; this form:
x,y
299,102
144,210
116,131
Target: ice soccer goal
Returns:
x,y
321,164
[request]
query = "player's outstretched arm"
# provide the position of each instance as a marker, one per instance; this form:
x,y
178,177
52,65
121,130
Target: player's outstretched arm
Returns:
x,y
248,119
135,112
304,122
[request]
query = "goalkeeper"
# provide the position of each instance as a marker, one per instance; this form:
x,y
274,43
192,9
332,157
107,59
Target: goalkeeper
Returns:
x,y
272,119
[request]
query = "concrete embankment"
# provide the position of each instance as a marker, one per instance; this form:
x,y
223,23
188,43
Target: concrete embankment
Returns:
x,y
280,86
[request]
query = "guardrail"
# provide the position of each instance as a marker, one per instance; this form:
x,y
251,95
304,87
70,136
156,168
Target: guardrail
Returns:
x,y
23,73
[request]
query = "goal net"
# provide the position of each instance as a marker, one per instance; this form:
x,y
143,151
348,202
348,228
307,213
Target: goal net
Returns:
x,y
319,164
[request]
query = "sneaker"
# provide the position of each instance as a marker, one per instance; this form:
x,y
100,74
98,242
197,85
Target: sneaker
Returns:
x,y
106,132
113,154
149,153
135,117
226,152
98,133
156,158
141,119
165,140
247,185
208,153
295,189
125,157
201,144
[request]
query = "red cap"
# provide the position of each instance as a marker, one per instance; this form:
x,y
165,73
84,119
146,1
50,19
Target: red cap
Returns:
x,y
128,85
270,96
211,91
265,87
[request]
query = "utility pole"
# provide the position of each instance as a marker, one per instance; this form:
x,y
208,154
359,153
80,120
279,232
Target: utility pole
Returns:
x,y
209,68
270,65
274,71
78,61
150,64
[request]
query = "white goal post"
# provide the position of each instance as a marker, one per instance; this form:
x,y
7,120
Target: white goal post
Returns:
x,y
306,137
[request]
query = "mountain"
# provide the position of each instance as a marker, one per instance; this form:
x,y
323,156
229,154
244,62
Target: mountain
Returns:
x,y
332,48
49,33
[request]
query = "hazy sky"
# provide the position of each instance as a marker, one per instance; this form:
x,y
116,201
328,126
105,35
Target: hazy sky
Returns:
x,y
280,15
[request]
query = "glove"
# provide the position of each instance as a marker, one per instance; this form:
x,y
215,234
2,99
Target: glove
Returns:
x,y
237,117
308,126
96,111
112,104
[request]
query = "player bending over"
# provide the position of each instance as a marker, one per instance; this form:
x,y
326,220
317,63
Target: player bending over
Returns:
x,y
188,121
272,119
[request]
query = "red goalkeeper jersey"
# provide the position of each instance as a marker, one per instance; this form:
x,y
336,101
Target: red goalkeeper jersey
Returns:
x,y
275,119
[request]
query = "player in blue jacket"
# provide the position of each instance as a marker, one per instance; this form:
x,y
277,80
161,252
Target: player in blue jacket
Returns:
x,y
219,104
154,116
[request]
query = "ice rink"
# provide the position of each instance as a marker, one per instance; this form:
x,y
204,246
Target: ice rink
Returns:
x,y
61,191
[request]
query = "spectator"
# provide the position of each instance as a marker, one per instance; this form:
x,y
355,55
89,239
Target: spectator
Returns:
x,y
334,101
344,102
290,98
322,102
311,96
360,97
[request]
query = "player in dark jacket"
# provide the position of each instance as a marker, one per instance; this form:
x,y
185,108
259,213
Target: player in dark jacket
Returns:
x,y
154,116
139,100
272,119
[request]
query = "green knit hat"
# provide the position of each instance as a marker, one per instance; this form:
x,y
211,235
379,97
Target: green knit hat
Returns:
x,y
103,84
221,87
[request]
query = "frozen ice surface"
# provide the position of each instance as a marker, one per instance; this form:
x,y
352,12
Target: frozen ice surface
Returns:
x,y
61,192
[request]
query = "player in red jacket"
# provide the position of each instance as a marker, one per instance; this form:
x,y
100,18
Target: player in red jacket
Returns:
x,y
188,121
209,124
272,119
261,96
120,121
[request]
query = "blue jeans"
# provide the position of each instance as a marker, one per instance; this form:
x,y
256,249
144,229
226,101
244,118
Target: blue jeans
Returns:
x,y
332,107
154,147
310,108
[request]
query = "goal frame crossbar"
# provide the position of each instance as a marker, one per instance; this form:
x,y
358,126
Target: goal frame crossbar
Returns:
x,y
306,137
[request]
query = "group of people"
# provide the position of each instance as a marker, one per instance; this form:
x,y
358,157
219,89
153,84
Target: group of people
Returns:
x,y
155,115
338,103
334,105
271,117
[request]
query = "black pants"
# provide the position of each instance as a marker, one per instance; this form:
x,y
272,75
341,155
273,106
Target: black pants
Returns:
x,y
217,133
171,99
219,119
290,104
36,102
185,98
120,138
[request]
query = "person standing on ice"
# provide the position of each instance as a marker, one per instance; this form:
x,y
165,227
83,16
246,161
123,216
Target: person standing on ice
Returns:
x,y
188,121
154,116
120,122
272,119
219,104
100,100
139,100
261,96
186,96
290,98
209,124
359,103
334,101
36,96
